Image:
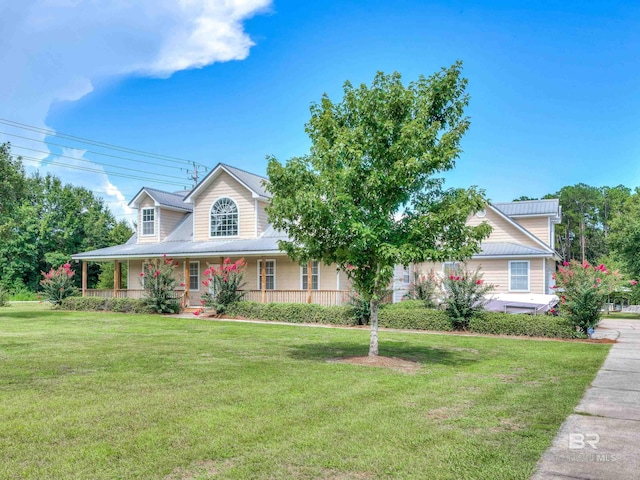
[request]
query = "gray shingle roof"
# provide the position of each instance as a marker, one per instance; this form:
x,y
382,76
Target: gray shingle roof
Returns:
x,y
529,207
506,249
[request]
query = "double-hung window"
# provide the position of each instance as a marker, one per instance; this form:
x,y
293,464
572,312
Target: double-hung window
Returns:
x,y
148,221
194,276
270,267
519,276
406,275
450,268
315,276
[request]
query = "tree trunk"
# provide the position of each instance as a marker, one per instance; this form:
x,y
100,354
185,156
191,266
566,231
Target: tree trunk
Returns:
x,y
582,241
567,243
373,342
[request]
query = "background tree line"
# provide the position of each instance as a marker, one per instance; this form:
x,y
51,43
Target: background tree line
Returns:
x,y
599,225
43,222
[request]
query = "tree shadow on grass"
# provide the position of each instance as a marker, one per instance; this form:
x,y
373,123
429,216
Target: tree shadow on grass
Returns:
x,y
322,352
8,312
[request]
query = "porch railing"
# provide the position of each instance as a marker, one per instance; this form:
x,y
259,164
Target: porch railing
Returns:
x,y
320,297
108,293
124,293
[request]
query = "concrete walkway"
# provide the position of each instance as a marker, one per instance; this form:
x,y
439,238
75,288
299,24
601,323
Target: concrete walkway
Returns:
x,y
601,440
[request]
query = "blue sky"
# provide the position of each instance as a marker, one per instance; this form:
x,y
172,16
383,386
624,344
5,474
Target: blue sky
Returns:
x,y
554,85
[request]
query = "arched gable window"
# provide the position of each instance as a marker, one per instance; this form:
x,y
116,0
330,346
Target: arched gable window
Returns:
x,y
224,218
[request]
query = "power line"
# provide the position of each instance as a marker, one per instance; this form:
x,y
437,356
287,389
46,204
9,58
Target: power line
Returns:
x,y
94,162
115,174
194,174
94,142
89,151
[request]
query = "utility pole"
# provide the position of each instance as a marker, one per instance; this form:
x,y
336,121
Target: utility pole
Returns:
x,y
195,173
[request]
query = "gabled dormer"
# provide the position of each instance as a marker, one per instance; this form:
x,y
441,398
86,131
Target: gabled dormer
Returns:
x,y
158,213
229,203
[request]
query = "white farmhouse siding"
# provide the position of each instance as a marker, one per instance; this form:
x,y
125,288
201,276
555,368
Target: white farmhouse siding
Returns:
x,y
223,186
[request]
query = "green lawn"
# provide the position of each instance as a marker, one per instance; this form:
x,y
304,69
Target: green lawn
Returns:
x,y
93,396
621,316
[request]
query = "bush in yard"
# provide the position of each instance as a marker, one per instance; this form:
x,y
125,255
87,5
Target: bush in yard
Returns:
x,y
465,296
159,281
361,308
99,304
413,315
57,284
225,285
583,289
551,326
425,287
294,313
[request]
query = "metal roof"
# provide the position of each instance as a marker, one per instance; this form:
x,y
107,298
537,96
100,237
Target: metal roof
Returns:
x,y
529,207
180,244
251,180
164,199
507,249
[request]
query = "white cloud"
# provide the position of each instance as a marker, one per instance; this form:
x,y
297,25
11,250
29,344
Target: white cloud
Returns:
x,y
98,182
52,50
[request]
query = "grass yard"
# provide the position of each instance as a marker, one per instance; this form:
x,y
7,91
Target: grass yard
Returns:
x,y
621,316
98,395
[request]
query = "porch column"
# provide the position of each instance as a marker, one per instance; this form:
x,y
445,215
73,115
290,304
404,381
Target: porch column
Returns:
x,y
116,278
187,274
309,281
263,275
84,278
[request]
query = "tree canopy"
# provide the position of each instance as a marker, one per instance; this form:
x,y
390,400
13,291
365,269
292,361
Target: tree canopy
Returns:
x,y
43,222
366,196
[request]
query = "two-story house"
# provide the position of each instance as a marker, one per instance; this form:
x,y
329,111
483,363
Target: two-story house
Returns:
x,y
224,217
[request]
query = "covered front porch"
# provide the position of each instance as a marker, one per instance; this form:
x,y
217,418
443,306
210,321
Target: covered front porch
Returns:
x,y
273,278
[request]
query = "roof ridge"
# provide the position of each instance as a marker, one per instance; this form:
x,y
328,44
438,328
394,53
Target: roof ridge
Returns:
x,y
243,170
529,201
163,191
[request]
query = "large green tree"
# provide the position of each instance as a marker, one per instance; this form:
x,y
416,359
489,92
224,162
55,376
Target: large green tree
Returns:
x,y
365,197
587,215
580,205
43,222
624,236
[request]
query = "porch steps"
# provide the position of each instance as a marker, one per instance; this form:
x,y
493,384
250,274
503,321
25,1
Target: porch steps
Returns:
x,y
190,309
